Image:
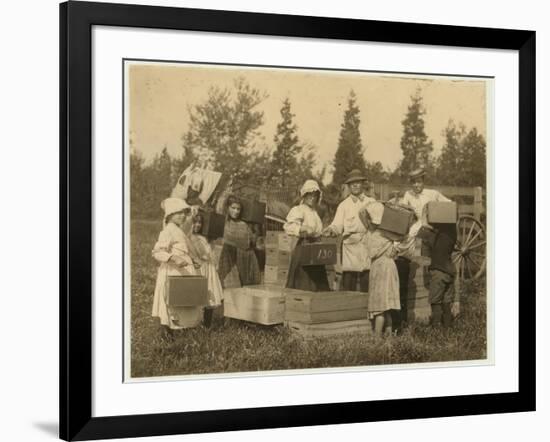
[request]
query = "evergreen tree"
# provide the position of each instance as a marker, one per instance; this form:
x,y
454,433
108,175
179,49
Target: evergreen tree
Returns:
x,y
463,158
415,146
287,149
349,154
448,164
223,131
474,159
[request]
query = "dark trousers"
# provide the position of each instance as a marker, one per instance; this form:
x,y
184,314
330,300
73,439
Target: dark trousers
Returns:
x,y
349,281
403,269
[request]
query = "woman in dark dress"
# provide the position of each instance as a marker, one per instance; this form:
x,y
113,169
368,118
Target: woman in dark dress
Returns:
x,y
238,264
304,222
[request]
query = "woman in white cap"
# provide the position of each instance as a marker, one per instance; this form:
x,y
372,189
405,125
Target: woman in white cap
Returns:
x,y
172,251
303,222
383,280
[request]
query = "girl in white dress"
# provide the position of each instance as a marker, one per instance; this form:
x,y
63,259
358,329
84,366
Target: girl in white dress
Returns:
x,y
172,251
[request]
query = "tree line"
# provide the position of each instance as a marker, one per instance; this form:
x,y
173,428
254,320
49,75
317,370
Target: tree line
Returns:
x,y
224,134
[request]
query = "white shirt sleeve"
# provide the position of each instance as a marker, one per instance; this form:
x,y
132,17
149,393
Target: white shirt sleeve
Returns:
x,y
337,225
294,221
161,251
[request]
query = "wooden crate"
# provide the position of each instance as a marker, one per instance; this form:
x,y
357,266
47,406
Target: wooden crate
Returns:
x,y
396,220
324,317
318,307
302,301
441,212
270,274
321,253
261,304
311,331
253,211
186,291
283,259
272,239
271,256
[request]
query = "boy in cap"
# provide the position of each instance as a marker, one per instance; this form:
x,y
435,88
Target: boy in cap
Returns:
x,y
355,259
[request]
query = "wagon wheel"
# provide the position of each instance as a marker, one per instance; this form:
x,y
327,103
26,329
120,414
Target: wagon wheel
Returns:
x,y
470,255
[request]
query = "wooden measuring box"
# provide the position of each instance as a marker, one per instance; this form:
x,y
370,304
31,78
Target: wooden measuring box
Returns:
x,y
186,291
213,224
440,212
253,211
396,220
318,253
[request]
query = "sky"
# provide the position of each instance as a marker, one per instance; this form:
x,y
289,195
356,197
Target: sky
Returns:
x,y
160,95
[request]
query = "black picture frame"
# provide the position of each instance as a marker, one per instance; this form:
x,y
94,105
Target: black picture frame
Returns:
x,y
76,21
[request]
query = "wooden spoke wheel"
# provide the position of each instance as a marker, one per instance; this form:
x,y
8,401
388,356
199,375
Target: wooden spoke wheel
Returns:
x,y
470,255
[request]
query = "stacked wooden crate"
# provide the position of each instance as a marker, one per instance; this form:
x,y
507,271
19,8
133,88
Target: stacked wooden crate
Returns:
x,y
322,314
278,248
418,305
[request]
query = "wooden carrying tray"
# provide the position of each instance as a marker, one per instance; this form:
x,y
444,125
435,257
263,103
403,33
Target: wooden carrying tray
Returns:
x,y
186,291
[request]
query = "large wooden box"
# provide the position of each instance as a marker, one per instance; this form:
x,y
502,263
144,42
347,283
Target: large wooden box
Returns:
x,y
441,212
396,220
213,224
330,329
262,304
319,253
186,291
253,211
320,307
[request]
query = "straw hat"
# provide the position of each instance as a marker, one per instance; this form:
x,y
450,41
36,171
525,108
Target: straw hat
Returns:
x,y
355,175
417,173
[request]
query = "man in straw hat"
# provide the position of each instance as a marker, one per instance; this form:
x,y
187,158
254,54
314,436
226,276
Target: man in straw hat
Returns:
x,y
355,260
418,197
444,302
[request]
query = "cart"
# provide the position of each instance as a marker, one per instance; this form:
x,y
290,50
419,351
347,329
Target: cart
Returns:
x,y
470,256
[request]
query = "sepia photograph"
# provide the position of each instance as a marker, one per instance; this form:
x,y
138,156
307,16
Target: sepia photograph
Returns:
x,y
289,218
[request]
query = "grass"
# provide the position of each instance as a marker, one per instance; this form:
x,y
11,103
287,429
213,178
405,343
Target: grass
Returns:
x,y
231,346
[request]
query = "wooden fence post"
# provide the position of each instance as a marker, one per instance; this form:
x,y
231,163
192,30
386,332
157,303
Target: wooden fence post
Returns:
x,y
478,202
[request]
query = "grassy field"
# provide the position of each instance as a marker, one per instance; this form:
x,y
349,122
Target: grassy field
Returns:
x,y
237,346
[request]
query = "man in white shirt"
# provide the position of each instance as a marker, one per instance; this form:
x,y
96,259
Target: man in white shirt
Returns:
x,y
418,197
355,260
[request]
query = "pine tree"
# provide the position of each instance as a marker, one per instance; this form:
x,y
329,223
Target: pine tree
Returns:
x,y
416,148
474,159
449,162
349,154
287,149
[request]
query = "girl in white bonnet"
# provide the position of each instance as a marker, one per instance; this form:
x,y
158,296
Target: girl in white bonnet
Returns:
x,y
303,222
172,251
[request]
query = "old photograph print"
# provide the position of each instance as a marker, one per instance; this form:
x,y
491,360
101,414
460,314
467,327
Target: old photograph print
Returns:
x,y
293,219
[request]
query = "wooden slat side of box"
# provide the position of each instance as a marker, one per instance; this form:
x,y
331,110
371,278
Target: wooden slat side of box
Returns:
x,y
322,317
326,301
362,326
256,315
